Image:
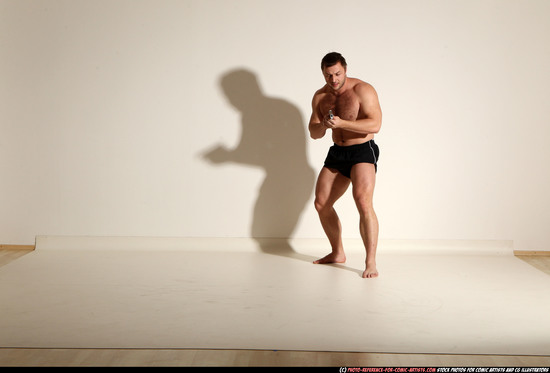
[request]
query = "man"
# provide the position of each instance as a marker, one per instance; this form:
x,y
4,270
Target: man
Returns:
x,y
348,107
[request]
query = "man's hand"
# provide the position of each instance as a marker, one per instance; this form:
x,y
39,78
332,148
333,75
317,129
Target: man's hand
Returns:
x,y
331,123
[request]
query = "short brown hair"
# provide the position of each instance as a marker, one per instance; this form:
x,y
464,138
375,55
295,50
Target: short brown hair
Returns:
x,y
332,59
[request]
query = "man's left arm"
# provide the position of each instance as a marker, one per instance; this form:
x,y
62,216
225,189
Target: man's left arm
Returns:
x,y
371,120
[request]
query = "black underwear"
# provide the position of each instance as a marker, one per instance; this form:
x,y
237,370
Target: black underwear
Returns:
x,y
343,158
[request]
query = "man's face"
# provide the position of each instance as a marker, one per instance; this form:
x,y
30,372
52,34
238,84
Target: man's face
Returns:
x,y
335,76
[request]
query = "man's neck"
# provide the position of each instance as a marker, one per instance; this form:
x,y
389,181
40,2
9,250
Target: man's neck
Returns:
x,y
340,91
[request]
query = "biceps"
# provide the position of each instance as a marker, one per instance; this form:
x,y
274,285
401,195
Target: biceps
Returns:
x,y
314,118
371,107
369,103
373,112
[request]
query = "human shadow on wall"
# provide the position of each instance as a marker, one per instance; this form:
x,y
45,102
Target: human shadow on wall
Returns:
x,y
273,138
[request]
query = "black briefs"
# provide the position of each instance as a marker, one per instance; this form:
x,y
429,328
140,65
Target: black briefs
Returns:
x,y
343,158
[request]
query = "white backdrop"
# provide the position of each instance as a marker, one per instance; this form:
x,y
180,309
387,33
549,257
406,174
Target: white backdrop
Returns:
x,y
188,118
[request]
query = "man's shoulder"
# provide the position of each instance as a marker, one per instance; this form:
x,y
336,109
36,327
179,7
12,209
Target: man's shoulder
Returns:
x,y
362,88
359,84
320,93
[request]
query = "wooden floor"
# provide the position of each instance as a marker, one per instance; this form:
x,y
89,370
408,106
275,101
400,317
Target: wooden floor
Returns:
x,y
20,357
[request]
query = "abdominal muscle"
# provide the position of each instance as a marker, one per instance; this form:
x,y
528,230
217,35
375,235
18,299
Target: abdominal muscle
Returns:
x,y
347,138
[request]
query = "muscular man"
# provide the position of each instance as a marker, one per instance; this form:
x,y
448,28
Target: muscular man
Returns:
x,y
350,108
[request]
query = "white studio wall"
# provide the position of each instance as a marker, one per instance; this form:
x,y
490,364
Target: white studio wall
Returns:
x,y
188,118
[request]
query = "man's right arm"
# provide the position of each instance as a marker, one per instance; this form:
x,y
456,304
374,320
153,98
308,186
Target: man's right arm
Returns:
x,y
316,127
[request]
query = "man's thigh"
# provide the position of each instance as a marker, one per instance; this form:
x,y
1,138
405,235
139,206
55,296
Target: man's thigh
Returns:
x,y
331,185
363,178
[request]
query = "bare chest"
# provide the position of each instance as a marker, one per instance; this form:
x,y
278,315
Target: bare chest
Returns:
x,y
346,106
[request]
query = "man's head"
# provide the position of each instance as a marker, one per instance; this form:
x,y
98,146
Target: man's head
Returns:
x,y
332,59
334,68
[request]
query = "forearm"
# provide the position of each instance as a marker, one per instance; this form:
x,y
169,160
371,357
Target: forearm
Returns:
x,y
317,130
362,126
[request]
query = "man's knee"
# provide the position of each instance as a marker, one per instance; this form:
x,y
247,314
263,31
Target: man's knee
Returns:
x,y
322,205
363,201
319,205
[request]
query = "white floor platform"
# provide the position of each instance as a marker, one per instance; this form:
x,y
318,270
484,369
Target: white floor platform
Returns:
x,y
431,301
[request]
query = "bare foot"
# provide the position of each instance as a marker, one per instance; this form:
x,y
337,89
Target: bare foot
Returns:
x,y
332,258
370,271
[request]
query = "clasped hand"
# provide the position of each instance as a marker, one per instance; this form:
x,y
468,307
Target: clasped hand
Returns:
x,y
331,123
